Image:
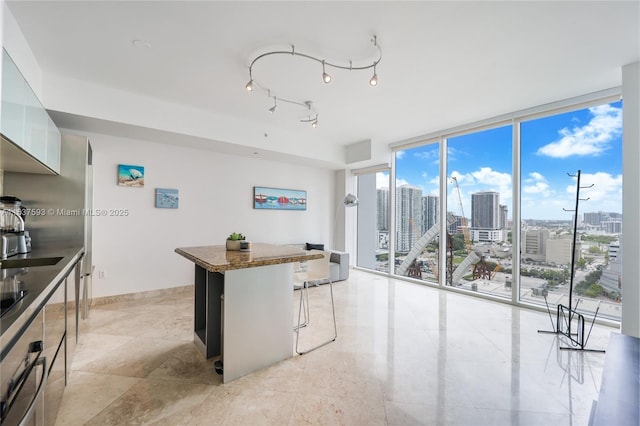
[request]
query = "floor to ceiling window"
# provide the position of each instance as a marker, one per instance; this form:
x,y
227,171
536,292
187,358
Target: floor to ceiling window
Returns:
x,y
479,193
480,255
417,212
553,149
373,220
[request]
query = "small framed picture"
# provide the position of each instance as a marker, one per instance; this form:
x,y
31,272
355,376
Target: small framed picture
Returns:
x,y
279,199
166,198
132,176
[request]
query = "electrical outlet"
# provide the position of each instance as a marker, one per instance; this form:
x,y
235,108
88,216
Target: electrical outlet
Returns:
x,y
102,275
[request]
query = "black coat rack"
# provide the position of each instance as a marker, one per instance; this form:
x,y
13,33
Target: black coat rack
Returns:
x,y
565,315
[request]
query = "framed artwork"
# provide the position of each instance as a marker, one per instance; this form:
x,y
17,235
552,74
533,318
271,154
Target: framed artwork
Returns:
x,y
166,198
132,176
279,199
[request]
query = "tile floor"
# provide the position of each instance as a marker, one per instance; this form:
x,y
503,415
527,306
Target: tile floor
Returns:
x,y
406,354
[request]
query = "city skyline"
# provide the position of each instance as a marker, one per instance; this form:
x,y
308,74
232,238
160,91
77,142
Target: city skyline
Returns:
x,y
552,147
416,213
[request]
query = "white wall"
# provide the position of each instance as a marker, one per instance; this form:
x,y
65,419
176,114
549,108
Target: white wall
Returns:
x,y
16,45
136,252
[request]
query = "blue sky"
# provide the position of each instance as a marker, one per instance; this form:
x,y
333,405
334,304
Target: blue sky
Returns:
x,y
589,140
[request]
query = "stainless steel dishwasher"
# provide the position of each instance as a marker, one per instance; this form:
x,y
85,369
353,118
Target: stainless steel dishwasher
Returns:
x,y
55,349
23,373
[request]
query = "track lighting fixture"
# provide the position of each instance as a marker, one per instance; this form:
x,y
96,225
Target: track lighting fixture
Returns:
x,y
326,77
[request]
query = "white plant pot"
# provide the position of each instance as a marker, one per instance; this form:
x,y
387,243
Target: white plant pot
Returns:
x,y
233,244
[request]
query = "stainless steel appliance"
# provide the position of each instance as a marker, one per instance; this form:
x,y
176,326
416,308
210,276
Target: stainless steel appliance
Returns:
x,y
11,292
14,238
23,378
74,193
12,215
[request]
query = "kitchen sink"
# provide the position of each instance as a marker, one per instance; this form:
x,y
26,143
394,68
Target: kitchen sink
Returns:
x,y
29,262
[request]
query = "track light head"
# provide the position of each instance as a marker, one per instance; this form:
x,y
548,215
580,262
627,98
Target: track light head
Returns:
x,y
249,85
374,78
312,120
325,77
275,105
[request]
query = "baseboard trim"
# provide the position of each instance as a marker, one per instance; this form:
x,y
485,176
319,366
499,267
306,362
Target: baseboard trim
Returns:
x,y
118,298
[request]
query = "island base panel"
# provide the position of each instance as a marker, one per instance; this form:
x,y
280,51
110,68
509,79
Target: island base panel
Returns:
x,y
209,288
258,318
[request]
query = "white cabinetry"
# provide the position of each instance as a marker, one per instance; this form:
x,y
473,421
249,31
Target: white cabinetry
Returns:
x,y
52,158
31,141
13,101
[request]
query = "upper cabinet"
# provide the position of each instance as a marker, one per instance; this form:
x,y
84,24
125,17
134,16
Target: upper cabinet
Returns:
x,y
30,139
13,101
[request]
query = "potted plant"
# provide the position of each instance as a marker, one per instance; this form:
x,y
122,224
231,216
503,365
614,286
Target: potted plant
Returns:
x,y
233,241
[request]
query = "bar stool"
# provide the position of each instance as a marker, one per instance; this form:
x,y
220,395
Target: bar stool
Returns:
x,y
299,276
317,270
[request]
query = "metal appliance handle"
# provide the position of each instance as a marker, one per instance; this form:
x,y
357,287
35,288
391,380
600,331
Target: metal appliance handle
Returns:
x,y
16,385
41,386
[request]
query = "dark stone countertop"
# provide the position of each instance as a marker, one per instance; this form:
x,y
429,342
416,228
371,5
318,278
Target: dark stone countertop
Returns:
x,y
39,282
219,259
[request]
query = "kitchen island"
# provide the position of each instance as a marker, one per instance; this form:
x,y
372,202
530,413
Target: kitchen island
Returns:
x,y
243,308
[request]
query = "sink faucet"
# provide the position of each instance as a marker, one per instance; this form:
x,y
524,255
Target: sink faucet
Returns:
x,y
20,219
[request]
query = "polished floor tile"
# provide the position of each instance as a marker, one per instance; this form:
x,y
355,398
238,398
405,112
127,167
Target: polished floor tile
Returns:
x,y
406,354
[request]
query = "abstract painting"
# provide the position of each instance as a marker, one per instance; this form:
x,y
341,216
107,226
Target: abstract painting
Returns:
x,y
166,198
279,199
132,176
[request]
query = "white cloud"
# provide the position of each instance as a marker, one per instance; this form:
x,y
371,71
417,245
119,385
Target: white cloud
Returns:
x,y
604,195
400,182
466,178
453,153
537,184
591,139
535,177
487,176
484,179
382,180
430,155
399,155
537,188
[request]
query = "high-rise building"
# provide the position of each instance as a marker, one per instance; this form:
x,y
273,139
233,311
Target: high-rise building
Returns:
x,y
485,212
458,225
558,250
594,218
611,278
408,216
382,206
430,211
534,243
504,217
606,221
612,226
488,215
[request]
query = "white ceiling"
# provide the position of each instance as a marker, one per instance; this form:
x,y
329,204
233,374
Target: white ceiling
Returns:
x,y
444,63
